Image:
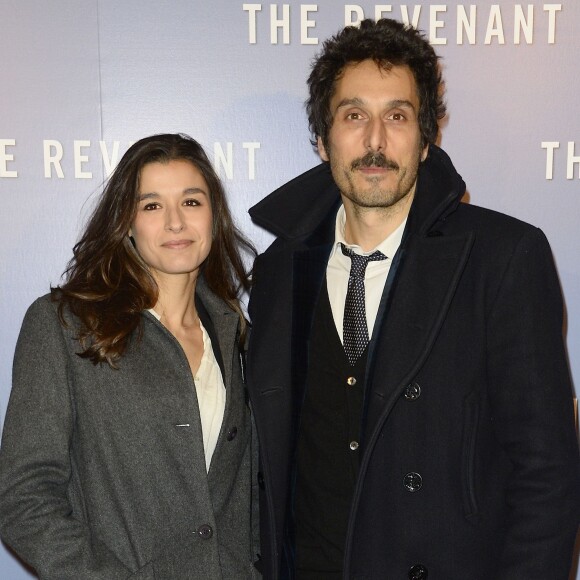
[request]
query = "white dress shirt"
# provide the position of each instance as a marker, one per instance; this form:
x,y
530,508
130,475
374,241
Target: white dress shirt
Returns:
x,y
338,270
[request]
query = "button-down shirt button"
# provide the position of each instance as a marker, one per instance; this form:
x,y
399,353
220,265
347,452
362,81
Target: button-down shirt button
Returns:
x,y
418,572
205,531
351,381
413,482
232,434
353,445
412,392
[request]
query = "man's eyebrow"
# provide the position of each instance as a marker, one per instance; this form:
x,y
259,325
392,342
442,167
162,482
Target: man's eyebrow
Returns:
x,y
401,103
353,102
358,102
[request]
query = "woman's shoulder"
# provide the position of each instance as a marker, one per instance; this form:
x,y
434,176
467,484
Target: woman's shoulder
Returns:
x,y
48,314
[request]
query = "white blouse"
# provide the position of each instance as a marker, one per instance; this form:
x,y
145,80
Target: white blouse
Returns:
x,y
211,397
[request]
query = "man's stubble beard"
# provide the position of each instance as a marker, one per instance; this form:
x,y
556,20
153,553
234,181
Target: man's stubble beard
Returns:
x,y
378,195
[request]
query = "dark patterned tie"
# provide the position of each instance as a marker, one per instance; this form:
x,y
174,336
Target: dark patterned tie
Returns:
x,y
355,334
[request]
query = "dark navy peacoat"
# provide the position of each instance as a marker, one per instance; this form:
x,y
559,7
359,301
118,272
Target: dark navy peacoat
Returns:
x,y
469,457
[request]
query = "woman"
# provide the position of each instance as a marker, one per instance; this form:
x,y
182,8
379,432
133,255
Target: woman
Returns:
x,y
127,445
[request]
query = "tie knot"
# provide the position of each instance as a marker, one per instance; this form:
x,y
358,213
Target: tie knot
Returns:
x,y
359,262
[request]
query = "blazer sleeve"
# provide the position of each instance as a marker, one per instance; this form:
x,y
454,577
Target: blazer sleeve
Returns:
x,y
36,518
531,399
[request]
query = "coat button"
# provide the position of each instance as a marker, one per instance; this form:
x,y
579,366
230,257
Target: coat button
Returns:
x,y
353,445
261,483
413,482
351,381
418,572
412,392
232,434
205,531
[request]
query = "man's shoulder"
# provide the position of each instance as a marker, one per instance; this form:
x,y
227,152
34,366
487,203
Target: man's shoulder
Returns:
x,y
483,220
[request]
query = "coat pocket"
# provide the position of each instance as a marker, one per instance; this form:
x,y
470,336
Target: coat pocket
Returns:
x,y
471,414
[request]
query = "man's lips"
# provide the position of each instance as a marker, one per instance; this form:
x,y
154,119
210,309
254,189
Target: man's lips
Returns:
x,y
373,169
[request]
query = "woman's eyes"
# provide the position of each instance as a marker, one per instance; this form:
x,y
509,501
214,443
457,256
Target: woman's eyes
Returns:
x,y
155,205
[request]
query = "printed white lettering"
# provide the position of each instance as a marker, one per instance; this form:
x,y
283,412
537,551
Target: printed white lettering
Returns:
x,y
466,23
414,21
436,24
252,9
353,14
53,152
572,160
306,23
79,159
109,161
280,23
5,157
435,21
524,24
552,9
550,147
495,25
251,148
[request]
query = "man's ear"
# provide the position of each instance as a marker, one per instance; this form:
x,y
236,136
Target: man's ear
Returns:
x,y
321,149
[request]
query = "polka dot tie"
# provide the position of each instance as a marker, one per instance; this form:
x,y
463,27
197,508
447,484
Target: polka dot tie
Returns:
x,y
355,334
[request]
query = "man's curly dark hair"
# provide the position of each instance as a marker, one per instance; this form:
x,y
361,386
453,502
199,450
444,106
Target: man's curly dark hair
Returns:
x,y
389,43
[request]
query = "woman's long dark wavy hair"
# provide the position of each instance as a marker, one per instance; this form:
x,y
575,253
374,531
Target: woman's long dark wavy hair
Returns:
x,y
389,43
107,285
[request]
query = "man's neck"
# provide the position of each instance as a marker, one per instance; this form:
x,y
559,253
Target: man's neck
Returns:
x,y
368,227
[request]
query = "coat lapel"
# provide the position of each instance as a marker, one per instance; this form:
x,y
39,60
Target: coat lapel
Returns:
x,y
225,323
225,326
428,275
309,275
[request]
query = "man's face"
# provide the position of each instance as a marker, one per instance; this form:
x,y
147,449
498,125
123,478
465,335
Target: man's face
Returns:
x,y
374,144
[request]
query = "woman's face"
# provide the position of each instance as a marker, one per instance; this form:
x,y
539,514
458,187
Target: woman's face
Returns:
x,y
172,229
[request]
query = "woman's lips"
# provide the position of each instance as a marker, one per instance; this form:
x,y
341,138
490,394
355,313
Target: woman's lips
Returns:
x,y
177,244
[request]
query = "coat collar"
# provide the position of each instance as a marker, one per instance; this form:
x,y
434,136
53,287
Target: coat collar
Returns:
x,y
224,322
299,207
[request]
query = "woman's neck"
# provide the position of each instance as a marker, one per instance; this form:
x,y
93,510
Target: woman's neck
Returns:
x,y
176,302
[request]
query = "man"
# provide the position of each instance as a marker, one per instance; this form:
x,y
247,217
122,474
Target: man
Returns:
x,y
407,368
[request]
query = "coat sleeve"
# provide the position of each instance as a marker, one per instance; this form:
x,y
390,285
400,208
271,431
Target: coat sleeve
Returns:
x,y
531,399
36,518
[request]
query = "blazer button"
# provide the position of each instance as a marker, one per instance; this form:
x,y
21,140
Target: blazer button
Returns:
x,y
351,381
232,434
412,392
418,572
205,531
261,483
413,482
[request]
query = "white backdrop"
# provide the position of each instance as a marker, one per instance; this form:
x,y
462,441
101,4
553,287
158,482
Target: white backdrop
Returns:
x,y
82,79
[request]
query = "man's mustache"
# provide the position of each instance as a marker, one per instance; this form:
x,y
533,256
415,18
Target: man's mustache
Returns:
x,y
374,159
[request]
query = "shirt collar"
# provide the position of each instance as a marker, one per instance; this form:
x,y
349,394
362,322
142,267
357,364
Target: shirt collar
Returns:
x,y
388,246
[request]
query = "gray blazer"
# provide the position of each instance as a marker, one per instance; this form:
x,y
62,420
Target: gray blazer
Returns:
x,y
102,471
